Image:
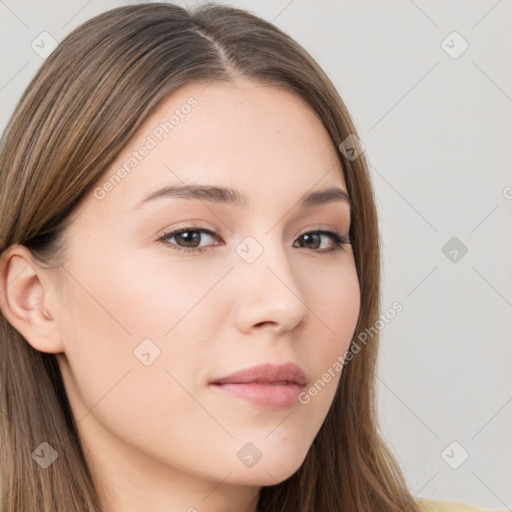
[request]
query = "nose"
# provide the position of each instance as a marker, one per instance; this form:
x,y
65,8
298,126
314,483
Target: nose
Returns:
x,y
269,293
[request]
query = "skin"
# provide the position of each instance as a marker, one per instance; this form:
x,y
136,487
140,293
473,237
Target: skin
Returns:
x,y
158,437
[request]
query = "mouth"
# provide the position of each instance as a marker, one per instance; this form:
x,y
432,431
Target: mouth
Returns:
x,y
267,386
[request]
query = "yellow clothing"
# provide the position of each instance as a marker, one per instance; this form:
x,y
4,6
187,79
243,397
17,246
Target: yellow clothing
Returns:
x,y
428,505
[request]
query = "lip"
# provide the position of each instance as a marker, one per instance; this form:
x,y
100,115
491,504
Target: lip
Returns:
x,y
267,385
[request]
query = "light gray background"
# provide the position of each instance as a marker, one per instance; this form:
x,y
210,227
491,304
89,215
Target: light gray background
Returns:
x,y
438,133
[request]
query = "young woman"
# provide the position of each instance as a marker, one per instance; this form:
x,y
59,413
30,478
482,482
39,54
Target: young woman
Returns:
x,y
189,246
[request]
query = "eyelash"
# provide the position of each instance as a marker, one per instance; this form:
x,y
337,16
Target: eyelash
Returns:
x,y
338,239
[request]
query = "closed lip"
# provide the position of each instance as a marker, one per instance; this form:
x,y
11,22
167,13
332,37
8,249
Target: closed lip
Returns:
x,y
289,373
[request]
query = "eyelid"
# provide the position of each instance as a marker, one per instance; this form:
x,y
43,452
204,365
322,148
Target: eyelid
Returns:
x,y
319,227
192,226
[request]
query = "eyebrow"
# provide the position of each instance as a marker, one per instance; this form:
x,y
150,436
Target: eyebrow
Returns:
x,y
232,196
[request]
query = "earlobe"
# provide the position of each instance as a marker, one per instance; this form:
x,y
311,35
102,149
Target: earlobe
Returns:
x,y
22,300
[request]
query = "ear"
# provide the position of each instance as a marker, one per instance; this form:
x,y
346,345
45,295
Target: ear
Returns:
x,y
25,291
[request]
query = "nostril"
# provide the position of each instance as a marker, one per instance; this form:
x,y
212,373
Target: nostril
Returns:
x,y
263,323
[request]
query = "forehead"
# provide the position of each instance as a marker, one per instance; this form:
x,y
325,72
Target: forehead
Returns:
x,y
264,141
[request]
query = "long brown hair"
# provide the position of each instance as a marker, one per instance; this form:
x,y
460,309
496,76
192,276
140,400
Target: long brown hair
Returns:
x,y
83,106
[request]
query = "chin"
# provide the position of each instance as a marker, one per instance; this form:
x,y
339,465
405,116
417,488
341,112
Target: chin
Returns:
x,y
270,470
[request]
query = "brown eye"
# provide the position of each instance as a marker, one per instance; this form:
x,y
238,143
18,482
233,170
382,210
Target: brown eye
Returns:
x,y
313,240
187,239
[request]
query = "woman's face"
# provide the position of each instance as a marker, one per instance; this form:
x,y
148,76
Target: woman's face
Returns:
x,y
147,326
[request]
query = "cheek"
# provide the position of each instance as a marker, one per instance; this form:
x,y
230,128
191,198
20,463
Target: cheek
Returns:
x,y
133,314
116,322
334,303
141,296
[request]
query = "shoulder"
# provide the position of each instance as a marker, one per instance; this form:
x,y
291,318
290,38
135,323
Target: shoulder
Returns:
x,y
429,505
